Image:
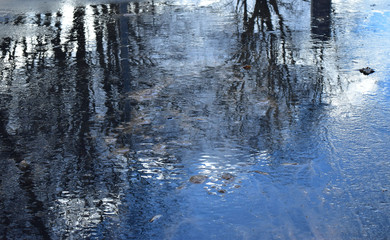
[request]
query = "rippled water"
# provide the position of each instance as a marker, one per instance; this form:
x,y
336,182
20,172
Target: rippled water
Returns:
x,y
194,119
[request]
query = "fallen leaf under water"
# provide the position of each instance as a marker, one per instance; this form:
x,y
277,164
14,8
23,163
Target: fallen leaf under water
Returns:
x,y
260,172
110,140
289,164
122,150
222,191
155,218
23,164
198,179
228,176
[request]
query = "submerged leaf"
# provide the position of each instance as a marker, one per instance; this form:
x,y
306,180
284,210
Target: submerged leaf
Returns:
x,y
198,179
228,176
289,164
122,150
23,164
155,218
222,191
110,140
260,172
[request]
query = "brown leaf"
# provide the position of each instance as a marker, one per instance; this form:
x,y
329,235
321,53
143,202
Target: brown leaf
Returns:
x,y
260,172
198,179
228,176
222,191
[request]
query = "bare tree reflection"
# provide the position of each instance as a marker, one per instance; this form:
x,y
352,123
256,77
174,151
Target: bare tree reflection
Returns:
x,y
98,110
61,104
321,19
284,87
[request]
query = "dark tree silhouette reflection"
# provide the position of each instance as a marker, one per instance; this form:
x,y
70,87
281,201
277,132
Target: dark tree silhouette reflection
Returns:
x,y
270,47
62,109
321,19
107,110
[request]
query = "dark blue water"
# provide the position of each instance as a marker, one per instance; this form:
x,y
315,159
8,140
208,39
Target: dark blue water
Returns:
x,y
194,120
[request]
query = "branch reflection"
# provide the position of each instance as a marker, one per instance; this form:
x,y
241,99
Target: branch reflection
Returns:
x,y
106,110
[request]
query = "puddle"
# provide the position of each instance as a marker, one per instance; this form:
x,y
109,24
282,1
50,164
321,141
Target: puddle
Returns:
x,y
194,120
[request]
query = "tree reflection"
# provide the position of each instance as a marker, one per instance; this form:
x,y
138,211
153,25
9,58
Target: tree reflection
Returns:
x,y
101,105
62,114
48,85
321,19
271,50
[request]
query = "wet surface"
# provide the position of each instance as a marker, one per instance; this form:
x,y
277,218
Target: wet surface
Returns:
x,y
194,120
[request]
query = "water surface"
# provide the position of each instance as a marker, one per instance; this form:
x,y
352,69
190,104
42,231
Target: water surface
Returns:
x,y
108,108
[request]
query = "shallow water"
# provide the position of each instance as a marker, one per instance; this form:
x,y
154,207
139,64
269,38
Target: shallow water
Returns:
x,y
108,108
